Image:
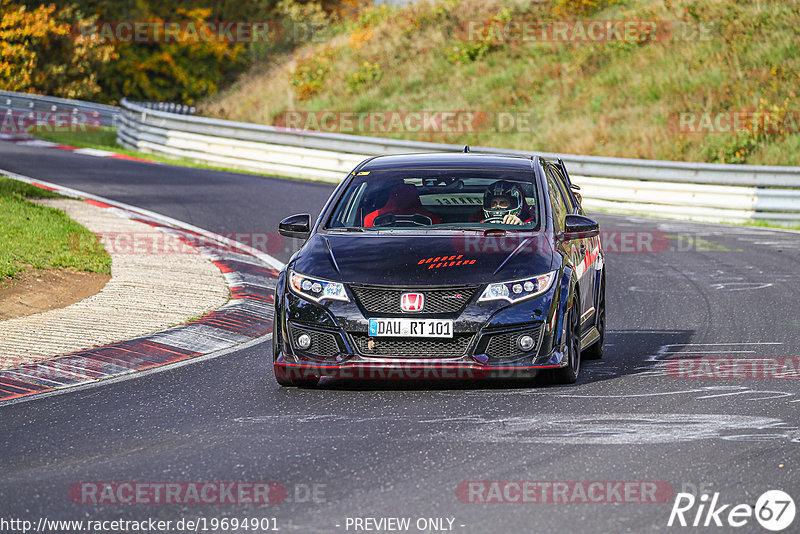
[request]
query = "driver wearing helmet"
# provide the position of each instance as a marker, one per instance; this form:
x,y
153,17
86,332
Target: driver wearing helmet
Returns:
x,y
504,202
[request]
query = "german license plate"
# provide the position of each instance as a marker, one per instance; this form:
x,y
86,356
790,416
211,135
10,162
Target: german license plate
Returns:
x,y
411,327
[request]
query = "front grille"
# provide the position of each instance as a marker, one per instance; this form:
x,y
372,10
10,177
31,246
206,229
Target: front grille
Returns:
x,y
412,347
322,343
437,301
504,346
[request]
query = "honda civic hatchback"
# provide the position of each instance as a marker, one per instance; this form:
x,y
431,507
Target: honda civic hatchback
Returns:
x,y
446,265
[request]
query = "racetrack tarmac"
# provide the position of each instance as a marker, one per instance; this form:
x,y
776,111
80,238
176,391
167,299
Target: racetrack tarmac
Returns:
x,y
410,450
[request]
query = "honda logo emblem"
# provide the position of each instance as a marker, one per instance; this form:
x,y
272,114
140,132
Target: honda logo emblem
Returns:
x,y
412,302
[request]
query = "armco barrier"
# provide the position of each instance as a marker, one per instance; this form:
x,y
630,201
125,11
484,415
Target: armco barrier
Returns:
x,y
109,115
698,191
26,102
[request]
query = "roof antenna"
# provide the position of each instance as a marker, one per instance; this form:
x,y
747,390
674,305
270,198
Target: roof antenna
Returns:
x,y
466,149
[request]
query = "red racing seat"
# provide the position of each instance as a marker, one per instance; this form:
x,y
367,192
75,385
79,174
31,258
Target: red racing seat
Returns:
x,y
403,200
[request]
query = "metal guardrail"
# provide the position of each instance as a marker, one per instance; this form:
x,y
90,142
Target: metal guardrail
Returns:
x,y
28,102
634,169
699,191
169,107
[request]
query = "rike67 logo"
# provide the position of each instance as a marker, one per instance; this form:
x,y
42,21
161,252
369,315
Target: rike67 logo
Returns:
x,y
774,510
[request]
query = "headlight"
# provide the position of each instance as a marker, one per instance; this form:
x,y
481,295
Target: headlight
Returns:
x,y
517,290
316,289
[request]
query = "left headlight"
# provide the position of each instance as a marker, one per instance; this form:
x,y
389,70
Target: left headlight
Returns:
x,y
316,289
517,290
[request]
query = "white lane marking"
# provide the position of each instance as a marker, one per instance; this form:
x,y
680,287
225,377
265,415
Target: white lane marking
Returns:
x,y
740,286
717,286
728,343
705,392
597,429
772,394
38,142
710,352
627,429
655,364
93,152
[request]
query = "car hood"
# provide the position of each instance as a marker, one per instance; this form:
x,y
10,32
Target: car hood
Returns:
x,y
425,260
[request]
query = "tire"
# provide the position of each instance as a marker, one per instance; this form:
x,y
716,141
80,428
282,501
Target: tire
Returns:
x,y
281,376
595,350
569,374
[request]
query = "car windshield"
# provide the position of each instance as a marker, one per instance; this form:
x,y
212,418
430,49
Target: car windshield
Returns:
x,y
416,198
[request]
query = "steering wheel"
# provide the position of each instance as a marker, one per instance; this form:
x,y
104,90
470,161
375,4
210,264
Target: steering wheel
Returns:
x,y
495,219
390,219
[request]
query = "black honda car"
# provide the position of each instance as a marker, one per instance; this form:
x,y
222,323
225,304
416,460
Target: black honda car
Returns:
x,y
446,265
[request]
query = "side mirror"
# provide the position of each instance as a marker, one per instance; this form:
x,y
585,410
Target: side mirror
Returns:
x,y
298,226
579,227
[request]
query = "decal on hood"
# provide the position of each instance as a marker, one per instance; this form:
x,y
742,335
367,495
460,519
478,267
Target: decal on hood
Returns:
x,y
445,261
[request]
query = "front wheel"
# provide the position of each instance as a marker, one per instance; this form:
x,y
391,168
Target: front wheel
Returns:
x,y
572,337
595,351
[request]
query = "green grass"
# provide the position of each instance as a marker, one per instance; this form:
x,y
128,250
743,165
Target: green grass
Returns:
x,y
39,237
602,98
101,138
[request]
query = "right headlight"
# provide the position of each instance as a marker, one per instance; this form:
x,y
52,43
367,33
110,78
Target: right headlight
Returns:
x,y
316,289
518,290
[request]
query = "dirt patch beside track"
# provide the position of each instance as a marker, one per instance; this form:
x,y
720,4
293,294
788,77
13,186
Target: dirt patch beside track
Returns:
x,y
36,291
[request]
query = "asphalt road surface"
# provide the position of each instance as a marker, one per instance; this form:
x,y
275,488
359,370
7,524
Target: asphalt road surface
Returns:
x,y
350,450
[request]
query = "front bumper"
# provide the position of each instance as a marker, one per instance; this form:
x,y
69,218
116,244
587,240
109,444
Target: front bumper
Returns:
x,y
464,368
483,345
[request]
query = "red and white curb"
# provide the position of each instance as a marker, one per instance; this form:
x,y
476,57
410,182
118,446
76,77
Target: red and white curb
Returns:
x,y
27,140
251,276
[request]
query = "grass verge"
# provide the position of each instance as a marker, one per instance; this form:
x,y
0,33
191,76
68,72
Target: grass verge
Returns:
x,y
707,60
39,237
